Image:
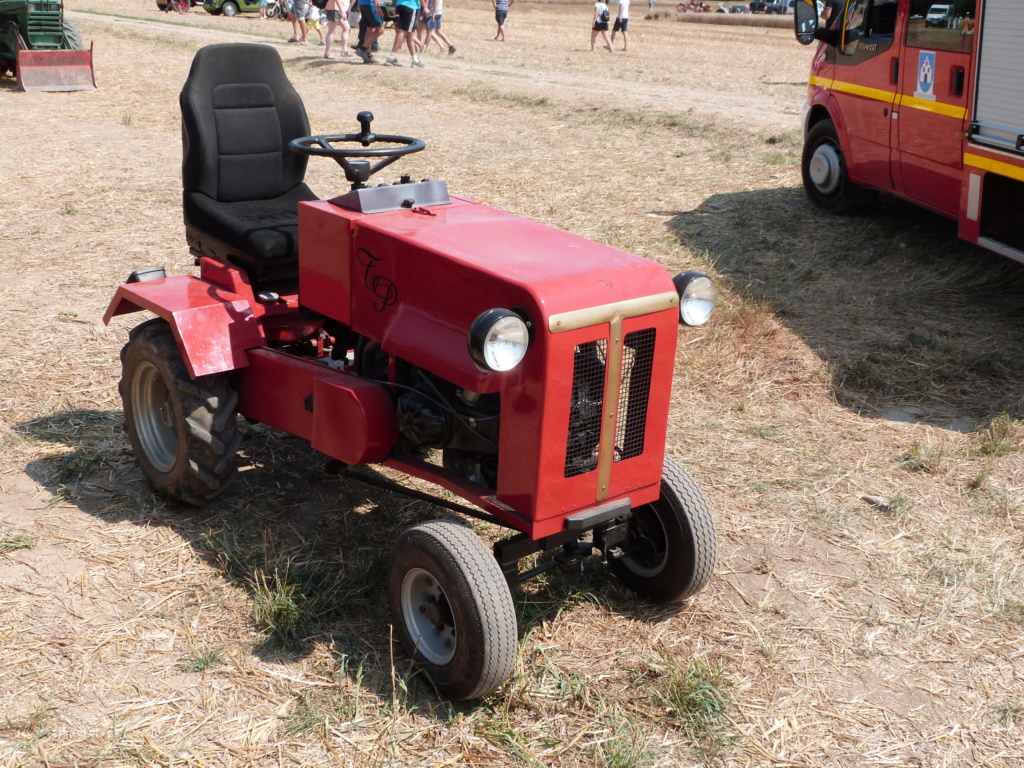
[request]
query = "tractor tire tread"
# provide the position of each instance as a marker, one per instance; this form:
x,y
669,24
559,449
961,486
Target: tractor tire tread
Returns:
x,y
74,35
482,570
207,423
690,540
702,525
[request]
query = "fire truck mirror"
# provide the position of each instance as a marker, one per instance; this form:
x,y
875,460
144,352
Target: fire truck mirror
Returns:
x,y
805,19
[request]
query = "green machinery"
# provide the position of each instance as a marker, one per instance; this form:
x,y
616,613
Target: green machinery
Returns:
x,y
43,49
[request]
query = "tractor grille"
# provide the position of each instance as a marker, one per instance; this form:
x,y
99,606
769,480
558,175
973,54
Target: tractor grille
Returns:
x,y
586,407
45,28
634,392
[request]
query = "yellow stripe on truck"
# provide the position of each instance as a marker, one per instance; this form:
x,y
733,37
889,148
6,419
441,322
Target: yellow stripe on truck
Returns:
x,y
890,97
938,107
995,166
862,90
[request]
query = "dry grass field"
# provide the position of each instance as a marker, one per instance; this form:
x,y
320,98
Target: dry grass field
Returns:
x,y
853,414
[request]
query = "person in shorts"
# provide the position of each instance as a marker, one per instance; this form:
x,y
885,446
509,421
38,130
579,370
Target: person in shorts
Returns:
x,y
501,9
405,32
601,18
433,17
374,29
337,14
313,22
621,23
299,33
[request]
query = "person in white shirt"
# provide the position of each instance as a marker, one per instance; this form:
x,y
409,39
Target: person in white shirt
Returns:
x,y
601,19
622,24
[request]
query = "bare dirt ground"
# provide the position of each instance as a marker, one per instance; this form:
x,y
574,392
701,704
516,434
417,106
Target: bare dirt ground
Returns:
x,y
852,414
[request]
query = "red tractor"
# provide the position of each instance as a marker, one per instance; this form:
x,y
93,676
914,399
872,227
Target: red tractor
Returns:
x,y
524,369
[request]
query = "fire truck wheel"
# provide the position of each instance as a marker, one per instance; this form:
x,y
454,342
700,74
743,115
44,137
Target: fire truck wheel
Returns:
x,y
824,172
452,609
671,543
184,432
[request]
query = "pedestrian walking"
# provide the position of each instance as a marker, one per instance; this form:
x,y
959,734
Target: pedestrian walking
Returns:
x,y
434,32
374,21
601,18
501,9
313,21
621,23
299,33
405,29
337,16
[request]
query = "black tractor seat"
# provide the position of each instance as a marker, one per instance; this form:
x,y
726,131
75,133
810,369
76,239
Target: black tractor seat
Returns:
x,y
241,184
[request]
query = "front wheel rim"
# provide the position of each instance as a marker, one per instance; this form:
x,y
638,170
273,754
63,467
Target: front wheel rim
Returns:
x,y
154,417
428,617
825,168
648,543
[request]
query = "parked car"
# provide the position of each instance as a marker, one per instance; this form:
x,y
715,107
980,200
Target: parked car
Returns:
x,y
231,7
772,6
940,16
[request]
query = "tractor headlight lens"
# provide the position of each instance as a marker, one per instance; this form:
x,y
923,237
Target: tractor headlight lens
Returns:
x,y
498,340
697,297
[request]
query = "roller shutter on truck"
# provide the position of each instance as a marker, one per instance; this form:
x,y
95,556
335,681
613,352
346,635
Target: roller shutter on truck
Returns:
x,y
999,96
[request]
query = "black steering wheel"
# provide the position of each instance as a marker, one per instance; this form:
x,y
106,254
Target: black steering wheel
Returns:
x,y
357,171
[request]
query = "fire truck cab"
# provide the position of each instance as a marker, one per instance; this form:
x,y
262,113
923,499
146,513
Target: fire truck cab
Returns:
x,y
926,105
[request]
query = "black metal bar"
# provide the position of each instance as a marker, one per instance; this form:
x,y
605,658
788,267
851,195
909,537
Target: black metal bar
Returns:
x,y
591,518
337,468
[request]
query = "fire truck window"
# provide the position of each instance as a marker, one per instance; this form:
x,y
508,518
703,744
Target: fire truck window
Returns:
x,y
943,26
882,18
855,17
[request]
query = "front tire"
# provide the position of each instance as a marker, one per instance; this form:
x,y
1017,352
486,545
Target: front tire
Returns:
x,y
184,432
452,609
229,9
73,35
825,178
670,543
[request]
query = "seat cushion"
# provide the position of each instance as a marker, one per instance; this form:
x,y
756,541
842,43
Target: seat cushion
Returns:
x,y
263,230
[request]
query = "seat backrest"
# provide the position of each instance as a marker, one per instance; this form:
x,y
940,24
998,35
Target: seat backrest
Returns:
x,y
238,113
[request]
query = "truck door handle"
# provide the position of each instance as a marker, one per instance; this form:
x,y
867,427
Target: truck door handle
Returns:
x,y
894,72
958,81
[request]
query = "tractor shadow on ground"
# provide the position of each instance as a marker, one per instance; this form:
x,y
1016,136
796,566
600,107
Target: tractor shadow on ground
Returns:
x,y
305,549
911,323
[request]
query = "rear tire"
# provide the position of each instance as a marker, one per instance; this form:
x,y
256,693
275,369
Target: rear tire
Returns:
x,y
184,432
229,9
452,609
825,178
671,543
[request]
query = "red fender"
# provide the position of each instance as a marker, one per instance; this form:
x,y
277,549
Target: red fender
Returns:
x,y
213,327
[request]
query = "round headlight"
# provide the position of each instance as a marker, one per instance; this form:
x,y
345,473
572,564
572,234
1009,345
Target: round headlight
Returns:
x,y
498,340
697,297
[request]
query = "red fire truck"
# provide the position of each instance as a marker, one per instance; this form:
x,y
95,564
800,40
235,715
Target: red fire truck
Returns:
x,y
923,101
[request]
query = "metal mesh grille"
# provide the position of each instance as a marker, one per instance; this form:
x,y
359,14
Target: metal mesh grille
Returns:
x,y
634,392
587,404
585,407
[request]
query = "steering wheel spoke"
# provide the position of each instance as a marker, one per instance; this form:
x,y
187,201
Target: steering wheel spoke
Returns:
x,y
355,161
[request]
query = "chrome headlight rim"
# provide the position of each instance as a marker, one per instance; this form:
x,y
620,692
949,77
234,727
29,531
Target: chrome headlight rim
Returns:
x,y
495,326
698,297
